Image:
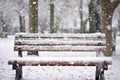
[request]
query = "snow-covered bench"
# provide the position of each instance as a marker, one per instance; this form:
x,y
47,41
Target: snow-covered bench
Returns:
x,y
60,42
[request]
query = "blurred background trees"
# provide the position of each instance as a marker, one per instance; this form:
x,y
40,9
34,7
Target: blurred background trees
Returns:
x,y
69,15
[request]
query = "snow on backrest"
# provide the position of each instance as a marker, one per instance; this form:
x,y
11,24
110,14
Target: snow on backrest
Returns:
x,y
59,35
60,42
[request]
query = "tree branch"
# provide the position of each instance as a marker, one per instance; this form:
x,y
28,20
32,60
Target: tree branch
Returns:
x,y
114,5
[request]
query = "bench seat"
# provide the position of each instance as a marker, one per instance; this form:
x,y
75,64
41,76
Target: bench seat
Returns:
x,y
61,61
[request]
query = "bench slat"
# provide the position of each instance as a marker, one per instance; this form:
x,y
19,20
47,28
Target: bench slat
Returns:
x,y
60,42
59,35
57,48
61,61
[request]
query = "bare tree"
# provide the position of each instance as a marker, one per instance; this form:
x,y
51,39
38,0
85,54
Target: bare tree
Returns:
x,y
33,16
3,32
33,20
81,17
92,16
52,30
107,8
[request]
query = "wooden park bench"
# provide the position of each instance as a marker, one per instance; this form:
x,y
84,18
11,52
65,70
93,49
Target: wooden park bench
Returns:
x,y
61,42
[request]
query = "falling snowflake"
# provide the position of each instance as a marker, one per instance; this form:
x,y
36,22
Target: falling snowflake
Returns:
x,y
112,0
34,2
108,27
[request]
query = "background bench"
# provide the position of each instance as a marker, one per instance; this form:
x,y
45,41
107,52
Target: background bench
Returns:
x,y
60,42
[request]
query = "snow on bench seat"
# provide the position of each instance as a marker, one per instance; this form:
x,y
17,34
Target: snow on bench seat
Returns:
x,y
61,61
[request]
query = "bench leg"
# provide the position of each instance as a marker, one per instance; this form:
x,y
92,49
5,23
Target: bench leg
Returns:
x,y
18,73
99,75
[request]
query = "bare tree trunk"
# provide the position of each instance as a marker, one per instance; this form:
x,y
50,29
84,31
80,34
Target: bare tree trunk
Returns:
x,y
33,20
92,16
52,29
4,31
107,13
4,28
22,23
33,16
82,29
97,15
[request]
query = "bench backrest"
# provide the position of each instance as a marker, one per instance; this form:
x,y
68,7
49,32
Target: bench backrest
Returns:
x,y
60,42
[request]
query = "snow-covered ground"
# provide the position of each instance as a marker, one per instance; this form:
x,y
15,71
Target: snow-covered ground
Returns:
x,y
53,73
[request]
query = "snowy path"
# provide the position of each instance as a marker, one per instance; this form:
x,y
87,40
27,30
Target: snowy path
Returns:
x,y
53,73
